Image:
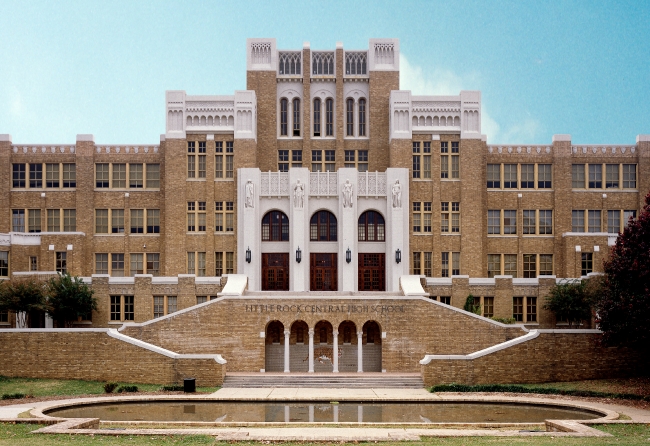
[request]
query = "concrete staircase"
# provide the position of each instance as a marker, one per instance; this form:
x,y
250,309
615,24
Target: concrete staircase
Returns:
x,y
326,380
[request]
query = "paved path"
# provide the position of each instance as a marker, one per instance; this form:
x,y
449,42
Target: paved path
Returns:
x,y
322,394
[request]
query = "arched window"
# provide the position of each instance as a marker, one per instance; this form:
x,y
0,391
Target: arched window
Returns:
x,y
275,227
296,117
371,227
329,117
317,117
322,227
349,120
284,106
362,117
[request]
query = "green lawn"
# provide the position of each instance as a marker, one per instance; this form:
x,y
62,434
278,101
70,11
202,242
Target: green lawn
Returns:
x,y
17,435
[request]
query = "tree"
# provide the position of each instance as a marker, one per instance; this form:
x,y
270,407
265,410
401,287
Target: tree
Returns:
x,y
622,307
570,301
471,305
69,298
22,297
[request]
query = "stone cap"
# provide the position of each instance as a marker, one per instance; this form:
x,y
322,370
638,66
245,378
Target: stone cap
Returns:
x,y
5,137
639,138
562,137
86,137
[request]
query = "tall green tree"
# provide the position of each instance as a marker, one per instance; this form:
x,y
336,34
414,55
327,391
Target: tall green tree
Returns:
x,y
622,306
69,299
21,297
570,301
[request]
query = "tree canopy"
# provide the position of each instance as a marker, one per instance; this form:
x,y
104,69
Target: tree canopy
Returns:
x,y
21,297
570,301
69,299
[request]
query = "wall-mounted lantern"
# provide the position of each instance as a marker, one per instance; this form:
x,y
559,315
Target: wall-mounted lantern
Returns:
x,y
248,255
298,255
398,256
348,255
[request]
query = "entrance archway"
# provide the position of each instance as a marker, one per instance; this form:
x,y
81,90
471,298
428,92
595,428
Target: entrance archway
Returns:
x,y
348,347
274,347
299,347
371,347
323,347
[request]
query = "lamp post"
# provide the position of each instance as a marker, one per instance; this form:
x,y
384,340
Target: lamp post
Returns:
x,y
298,255
348,255
248,255
398,256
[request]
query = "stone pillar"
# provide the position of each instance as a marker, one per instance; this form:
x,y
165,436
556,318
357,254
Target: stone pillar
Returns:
x,y
359,351
299,227
397,226
336,412
249,227
335,352
348,235
311,413
311,350
287,333
360,413
49,322
287,415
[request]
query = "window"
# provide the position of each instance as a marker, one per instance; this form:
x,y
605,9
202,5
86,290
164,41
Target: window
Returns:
x,y
594,221
510,265
137,221
518,309
322,227
349,117
493,265
163,305
317,107
323,164
422,163
445,160
153,176
530,266
153,221
428,264
545,222
502,264
416,268
546,264
627,215
578,176
494,176
614,222
371,227
450,217
119,176
201,160
455,264
488,306
35,175
296,117
33,263
219,263
136,176
529,222
611,176
53,220
101,221
362,117
33,220
201,299
357,159
117,221
219,160
4,264
494,222
122,308
18,175
101,263
595,176
284,156
445,300
587,263
224,216
137,264
422,217
445,264
284,110
196,263
275,227
544,176
191,159
509,222
629,176
153,263
52,175
510,176
577,221
527,176
102,175
531,309
117,265
542,225
18,220
61,265
329,117
196,216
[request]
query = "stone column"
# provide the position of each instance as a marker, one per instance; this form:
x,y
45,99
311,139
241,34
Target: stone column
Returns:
x,y
311,413
286,351
311,350
336,413
287,415
360,413
335,352
49,322
360,351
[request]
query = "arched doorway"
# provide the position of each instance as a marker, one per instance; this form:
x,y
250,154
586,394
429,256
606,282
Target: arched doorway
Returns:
x,y
274,347
371,266
347,346
371,347
323,347
299,347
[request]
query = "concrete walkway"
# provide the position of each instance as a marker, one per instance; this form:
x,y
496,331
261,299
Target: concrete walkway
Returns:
x,y
321,394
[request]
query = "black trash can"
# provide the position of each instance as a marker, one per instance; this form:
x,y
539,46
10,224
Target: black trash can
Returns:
x,y
189,385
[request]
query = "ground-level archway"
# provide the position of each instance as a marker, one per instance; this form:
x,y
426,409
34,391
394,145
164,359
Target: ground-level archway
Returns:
x,y
274,347
371,347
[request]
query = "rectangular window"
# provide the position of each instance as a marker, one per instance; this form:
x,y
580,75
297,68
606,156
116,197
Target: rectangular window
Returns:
x,y
129,308
530,266
52,175
218,264
422,217
200,271
69,220
527,176
444,166
455,263
230,169
417,212
18,220
546,264
153,221
33,263
509,222
117,221
510,176
137,221
627,215
171,304
494,222
595,176
202,166
296,158
158,306
494,176
587,263
428,264
202,147
578,176
153,263
531,309
53,220
613,222
117,265
416,159
455,217
357,159
191,263
101,221
444,217
191,166
444,147
595,222
4,263
577,221
544,176
119,176
494,265
136,177
35,175
529,222
61,264
488,306
455,165
417,269
69,175
546,222
445,300
137,264
218,160
283,160
426,159
510,265
34,220
518,309
102,175
153,176
116,308
629,176
101,263
454,146
201,299
445,264
18,175
611,176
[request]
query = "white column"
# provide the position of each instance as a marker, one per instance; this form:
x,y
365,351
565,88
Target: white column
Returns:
x,y
286,351
359,352
311,350
348,235
360,413
287,416
49,322
335,352
336,412
311,413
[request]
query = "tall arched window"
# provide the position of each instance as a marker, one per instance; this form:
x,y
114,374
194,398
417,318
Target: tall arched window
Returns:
x,y
296,117
329,117
322,227
362,117
349,120
372,227
284,107
275,227
317,117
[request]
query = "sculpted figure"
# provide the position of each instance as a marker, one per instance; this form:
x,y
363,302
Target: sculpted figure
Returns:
x,y
397,195
298,195
347,194
250,194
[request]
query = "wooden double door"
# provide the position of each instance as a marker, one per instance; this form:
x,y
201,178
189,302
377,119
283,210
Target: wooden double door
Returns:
x,y
372,272
275,271
323,272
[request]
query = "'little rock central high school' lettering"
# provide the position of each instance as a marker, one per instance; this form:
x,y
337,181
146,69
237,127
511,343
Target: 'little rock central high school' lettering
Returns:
x,y
265,308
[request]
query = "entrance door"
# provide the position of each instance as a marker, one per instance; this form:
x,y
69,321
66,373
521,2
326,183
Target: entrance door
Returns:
x,y
323,272
275,271
372,272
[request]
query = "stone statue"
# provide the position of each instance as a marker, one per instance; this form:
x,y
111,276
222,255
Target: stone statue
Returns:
x,y
347,194
250,194
298,195
397,195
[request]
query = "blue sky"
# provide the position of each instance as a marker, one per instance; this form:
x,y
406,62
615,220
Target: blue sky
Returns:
x,y
581,68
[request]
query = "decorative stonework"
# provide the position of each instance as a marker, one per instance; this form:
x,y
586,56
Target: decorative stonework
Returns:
x,y
274,184
323,184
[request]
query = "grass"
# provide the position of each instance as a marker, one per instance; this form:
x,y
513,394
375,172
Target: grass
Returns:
x,y
19,435
37,387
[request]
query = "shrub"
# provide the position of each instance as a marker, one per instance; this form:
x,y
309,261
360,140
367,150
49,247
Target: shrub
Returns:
x,y
110,387
13,396
504,320
129,389
471,305
172,388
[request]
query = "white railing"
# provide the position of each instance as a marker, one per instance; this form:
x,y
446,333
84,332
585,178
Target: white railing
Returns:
x,y
323,184
371,184
274,184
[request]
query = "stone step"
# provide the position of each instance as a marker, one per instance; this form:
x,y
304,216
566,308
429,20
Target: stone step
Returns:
x,y
331,381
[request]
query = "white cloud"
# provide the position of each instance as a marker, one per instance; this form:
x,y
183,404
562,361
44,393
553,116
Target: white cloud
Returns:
x,y
445,82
